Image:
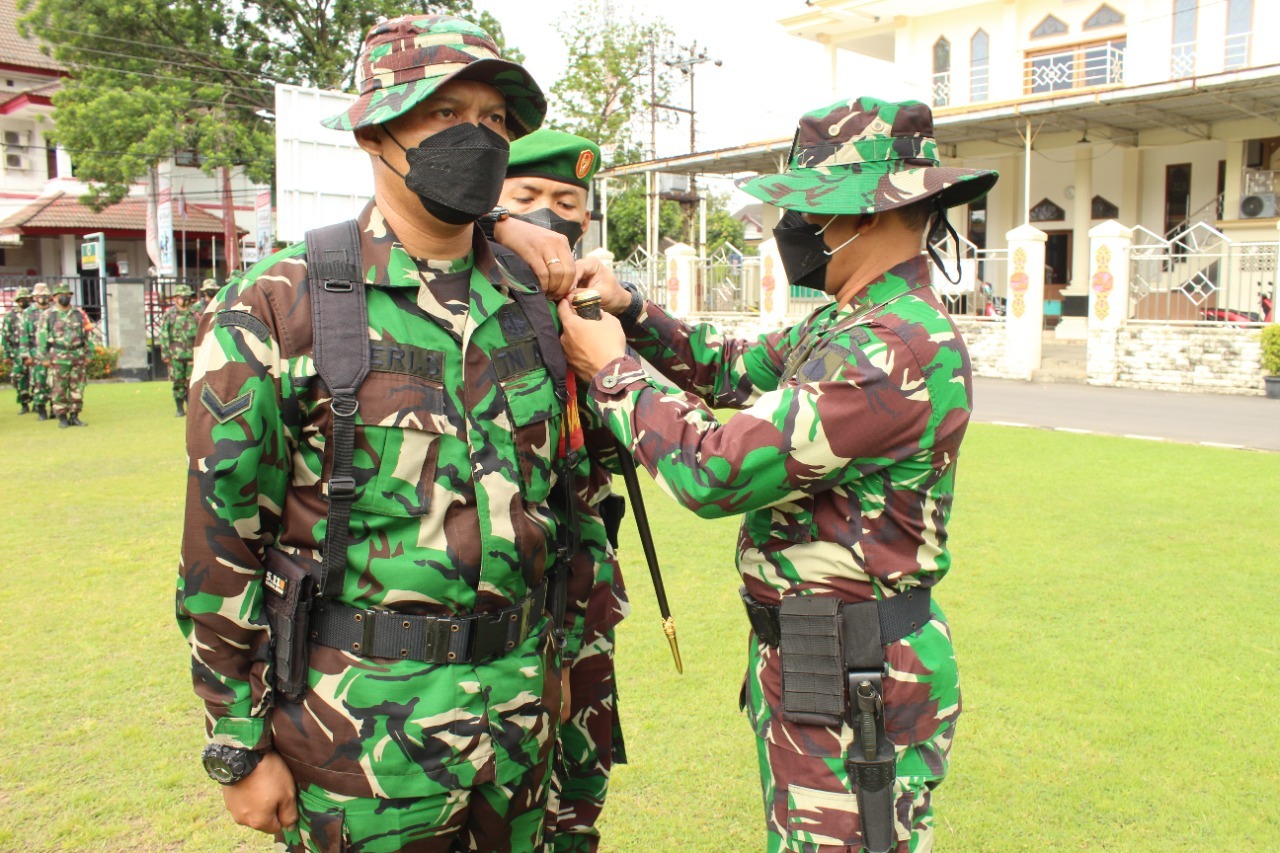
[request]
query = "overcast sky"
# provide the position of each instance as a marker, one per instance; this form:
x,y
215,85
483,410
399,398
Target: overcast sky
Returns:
x,y
766,81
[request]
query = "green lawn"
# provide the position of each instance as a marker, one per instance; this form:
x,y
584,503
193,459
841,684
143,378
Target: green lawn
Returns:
x,y
1120,668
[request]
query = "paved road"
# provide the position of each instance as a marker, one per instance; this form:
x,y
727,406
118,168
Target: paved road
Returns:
x,y
1212,419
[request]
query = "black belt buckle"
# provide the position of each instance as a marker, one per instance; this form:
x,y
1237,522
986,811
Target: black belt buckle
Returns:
x,y
342,487
435,639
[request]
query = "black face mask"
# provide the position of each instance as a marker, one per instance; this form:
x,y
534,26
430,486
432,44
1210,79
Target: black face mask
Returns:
x,y
457,172
803,251
545,217
64,300
42,301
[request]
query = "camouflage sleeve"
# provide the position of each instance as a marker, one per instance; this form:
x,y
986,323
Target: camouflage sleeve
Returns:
x,y
238,455
9,334
166,333
42,336
868,410
724,372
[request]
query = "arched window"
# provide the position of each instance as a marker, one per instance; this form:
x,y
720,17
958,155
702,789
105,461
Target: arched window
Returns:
x,y
941,72
979,65
1105,16
1050,26
1239,33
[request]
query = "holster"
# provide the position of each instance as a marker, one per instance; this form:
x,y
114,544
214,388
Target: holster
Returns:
x,y
612,510
288,595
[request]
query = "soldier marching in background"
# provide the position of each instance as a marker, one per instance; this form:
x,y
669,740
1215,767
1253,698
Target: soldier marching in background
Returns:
x,y
208,290
33,318
65,349
547,181
16,349
178,339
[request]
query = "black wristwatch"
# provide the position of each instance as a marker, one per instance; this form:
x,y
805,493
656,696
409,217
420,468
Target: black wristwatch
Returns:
x,y
228,764
487,221
632,312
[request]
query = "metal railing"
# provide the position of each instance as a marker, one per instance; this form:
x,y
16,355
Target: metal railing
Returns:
x,y
979,83
728,282
1074,68
1201,276
646,273
1235,51
1182,60
982,289
941,88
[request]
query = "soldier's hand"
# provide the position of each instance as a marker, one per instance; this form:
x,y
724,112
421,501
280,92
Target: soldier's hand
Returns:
x,y
594,274
547,253
266,799
590,344
26,359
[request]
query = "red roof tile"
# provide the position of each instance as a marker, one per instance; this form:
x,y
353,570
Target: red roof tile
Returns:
x,y
63,214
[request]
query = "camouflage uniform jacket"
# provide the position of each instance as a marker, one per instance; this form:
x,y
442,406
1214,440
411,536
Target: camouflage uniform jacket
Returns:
x,y
454,466
64,335
12,333
178,332
30,329
842,464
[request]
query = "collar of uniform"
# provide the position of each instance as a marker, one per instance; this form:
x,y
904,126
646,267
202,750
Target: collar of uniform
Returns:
x,y
903,278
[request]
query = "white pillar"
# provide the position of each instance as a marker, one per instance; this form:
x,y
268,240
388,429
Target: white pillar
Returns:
x,y
70,263
1024,311
681,279
1108,298
1234,171
1081,220
1131,188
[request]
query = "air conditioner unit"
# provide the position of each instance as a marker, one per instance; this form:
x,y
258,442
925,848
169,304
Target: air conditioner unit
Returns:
x,y
16,163
1259,206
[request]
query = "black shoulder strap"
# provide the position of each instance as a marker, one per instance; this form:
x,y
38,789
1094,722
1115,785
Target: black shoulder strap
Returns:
x,y
340,348
538,310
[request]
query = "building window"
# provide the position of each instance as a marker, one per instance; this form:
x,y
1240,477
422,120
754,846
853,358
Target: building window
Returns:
x,y
51,162
1103,209
1050,26
188,157
979,65
1239,32
1104,17
1184,39
941,72
1046,211
1075,67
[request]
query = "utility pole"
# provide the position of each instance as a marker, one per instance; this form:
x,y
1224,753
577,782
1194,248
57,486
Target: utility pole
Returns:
x,y
687,62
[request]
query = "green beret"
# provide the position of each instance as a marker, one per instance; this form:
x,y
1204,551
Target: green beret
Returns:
x,y
554,155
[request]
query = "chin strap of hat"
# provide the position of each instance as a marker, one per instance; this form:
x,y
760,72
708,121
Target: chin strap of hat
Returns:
x,y
938,222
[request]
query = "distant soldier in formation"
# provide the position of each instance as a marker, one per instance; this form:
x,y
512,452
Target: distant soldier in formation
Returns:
x,y
16,350
65,348
208,290
31,328
178,339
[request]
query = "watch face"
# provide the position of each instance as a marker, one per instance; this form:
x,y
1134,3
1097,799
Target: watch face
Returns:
x,y
219,770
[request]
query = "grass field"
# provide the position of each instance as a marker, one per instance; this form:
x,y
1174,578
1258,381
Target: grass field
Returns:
x,y
1110,602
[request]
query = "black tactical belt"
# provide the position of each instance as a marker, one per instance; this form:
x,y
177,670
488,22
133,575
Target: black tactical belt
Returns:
x,y
897,617
431,639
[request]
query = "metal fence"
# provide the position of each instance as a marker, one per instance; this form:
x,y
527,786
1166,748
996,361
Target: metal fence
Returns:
x,y
1199,275
646,273
728,283
85,292
982,289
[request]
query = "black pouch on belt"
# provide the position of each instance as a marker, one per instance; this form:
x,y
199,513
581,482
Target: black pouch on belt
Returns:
x,y
813,671
287,598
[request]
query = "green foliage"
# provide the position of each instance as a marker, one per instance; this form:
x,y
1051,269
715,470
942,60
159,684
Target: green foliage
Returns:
x,y
1271,350
626,220
604,94
1078,631
722,228
6,367
104,362
152,77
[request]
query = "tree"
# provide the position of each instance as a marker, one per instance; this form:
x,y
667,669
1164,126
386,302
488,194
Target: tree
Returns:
x,y
615,71
627,220
722,228
153,77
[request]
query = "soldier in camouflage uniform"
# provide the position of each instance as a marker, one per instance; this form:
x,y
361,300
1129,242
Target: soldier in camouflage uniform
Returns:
x,y
843,461
547,182
177,340
16,350
64,347
31,330
208,290
458,440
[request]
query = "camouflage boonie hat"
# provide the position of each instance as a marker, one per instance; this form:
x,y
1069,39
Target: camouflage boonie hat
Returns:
x,y
23,293
863,156
405,59
182,290
41,289
60,287
209,285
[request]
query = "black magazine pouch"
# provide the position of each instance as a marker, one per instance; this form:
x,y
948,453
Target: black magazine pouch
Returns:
x,y
287,589
813,680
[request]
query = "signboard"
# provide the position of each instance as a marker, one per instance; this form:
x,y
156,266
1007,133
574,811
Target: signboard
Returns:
x,y
262,209
322,175
89,256
164,229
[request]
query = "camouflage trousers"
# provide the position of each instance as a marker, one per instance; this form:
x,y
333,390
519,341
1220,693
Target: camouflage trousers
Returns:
x,y
489,817
20,376
180,373
590,743
811,806
39,384
66,386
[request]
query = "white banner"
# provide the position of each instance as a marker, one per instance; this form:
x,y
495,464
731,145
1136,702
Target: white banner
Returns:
x,y
262,207
165,263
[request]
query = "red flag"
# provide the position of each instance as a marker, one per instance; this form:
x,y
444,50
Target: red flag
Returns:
x,y
229,224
